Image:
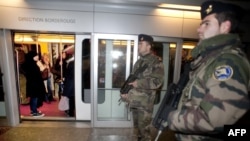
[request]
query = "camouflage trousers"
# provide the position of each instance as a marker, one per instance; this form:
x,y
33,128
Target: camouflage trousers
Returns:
x,y
142,121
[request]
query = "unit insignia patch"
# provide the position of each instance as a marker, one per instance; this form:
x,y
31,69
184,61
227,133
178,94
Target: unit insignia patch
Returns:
x,y
223,73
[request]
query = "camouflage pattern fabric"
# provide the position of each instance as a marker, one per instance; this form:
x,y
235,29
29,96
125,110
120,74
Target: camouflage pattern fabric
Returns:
x,y
141,99
217,92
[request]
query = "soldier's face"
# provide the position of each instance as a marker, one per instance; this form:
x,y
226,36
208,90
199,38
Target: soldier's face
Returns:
x,y
143,48
210,27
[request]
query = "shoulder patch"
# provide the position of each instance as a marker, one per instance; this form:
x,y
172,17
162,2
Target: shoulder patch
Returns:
x,y
222,73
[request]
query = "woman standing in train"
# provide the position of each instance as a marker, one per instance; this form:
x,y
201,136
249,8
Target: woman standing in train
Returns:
x,y
47,80
34,83
69,84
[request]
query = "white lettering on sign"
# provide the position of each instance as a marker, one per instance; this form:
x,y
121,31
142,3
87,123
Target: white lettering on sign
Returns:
x,y
47,20
30,19
236,132
56,20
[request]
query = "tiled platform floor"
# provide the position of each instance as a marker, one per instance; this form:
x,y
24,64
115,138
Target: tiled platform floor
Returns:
x,y
71,131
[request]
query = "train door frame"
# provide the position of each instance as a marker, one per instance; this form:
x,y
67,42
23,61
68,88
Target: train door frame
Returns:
x,y
80,114
11,101
9,80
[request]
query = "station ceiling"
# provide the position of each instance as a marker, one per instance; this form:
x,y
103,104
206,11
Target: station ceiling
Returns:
x,y
243,3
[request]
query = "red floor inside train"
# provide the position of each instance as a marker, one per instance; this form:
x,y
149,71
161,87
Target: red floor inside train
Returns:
x,y
49,109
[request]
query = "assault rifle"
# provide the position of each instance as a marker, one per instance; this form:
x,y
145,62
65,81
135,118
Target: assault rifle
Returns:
x,y
132,77
170,101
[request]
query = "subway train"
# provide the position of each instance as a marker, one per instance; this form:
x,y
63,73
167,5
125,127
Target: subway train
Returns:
x,y
104,34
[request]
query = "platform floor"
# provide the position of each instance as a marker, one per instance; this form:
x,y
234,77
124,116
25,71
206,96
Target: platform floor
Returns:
x,y
70,131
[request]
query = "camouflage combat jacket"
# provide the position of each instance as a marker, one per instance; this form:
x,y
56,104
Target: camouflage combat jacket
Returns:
x,y
148,82
217,92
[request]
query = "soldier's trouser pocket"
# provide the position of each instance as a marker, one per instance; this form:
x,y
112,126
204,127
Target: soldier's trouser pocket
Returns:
x,y
141,101
137,101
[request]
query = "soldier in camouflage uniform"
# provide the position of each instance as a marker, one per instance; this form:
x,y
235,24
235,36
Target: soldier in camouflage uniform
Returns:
x,y
217,91
141,98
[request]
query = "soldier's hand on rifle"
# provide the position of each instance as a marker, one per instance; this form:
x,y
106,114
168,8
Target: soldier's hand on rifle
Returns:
x,y
124,96
134,84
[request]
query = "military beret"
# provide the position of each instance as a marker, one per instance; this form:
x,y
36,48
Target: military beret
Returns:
x,y
210,7
144,37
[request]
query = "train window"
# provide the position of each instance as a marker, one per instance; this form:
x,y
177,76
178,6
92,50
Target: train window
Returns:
x,y
172,53
115,58
186,52
86,71
185,56
167,52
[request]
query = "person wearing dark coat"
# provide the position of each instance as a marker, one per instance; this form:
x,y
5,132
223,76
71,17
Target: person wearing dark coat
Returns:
x,y
35,88
69,84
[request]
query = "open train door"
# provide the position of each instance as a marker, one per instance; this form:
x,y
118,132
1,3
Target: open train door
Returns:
x,y
82,77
